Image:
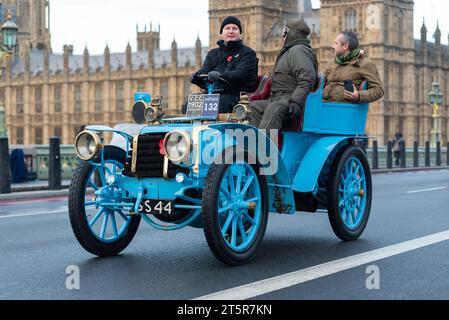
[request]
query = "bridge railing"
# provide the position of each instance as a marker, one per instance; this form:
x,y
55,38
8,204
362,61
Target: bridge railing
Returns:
x,y
39,157
412,156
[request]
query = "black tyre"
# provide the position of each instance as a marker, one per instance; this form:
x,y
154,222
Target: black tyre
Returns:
x,y
117,229
349,193
235,211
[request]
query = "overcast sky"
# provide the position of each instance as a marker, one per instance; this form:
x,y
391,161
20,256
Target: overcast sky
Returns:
x,y
97,22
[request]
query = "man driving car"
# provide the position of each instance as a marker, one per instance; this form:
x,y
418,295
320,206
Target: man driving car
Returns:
x,y
232,67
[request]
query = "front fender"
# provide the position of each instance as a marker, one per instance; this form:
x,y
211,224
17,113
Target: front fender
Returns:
x,y
306,177
281,199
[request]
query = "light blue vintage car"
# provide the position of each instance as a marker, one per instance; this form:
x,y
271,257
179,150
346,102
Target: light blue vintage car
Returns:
x,y
218,173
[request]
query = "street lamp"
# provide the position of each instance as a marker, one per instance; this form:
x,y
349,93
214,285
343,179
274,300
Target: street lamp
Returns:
x,y
9,36
436,99
435,95
9,42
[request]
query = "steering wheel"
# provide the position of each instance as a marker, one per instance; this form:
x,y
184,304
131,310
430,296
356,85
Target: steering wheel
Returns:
x,y
204,78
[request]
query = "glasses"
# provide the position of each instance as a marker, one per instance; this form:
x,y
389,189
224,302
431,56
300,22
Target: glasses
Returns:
x,y
285,32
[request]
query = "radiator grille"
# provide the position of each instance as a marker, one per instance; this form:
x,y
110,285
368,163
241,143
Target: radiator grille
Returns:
x,y
149,162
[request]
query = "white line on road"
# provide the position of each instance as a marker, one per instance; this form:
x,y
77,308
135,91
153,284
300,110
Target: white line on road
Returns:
x,y
33,214
258,288
427,190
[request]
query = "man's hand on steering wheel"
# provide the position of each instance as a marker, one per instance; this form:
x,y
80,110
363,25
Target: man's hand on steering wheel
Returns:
x,y
213,76
216,77
194,77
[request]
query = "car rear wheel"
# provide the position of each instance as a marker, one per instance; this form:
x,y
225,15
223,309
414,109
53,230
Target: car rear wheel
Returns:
x,y
350,194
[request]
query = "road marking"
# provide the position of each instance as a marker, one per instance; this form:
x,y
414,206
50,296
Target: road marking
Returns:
x,y
33,214
28,201
258,288
427,190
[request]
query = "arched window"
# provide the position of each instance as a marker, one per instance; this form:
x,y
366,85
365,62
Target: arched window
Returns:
x,y
19,100
99,97
400,28
38,99
119,96
58,98
351,20
24,9
164,94
39,18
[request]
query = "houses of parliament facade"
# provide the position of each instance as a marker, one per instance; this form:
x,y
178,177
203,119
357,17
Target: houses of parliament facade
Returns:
x,y
53,94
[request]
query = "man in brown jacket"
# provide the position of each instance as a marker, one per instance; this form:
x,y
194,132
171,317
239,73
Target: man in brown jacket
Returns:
x,y
294,76
352,64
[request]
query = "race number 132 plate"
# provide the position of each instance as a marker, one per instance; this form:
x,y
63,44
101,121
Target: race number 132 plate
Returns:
x,y
156,207
199,105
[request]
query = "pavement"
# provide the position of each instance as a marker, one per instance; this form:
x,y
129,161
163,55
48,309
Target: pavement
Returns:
x,y
35,190
401,255
37,185
39,189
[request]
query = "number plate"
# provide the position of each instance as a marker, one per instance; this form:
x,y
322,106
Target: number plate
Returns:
x,y
157,207
203,105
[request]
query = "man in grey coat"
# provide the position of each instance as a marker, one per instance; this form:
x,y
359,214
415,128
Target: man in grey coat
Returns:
x,y
294,76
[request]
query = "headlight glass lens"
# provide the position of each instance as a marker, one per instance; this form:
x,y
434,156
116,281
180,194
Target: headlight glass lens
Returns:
x,y
92,146
87,145
240,112
150,114
177,146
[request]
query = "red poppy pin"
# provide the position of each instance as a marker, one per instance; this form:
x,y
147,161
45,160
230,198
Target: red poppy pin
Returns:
x,y
229,59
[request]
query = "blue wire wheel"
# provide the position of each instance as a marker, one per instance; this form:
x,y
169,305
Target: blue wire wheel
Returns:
x,y
352,193
106,223
349,193
101,227
235,211
239,192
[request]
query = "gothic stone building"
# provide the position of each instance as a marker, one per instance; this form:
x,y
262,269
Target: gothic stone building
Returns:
x,y
48,94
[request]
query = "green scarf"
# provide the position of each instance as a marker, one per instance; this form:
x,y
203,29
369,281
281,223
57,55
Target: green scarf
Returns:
x,y
351,56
